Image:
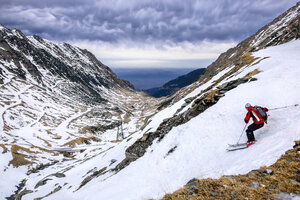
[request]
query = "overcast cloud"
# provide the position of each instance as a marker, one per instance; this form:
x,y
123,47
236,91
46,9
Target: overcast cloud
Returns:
x,y
146,28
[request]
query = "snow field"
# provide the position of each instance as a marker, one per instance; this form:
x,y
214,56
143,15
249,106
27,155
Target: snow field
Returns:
x,y
201,143
199,146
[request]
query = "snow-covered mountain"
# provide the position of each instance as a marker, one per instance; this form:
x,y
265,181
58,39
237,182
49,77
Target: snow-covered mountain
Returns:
x,y
165,142
54,97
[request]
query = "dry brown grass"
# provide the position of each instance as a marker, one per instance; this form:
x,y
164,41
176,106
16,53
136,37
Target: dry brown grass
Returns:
x,y
19,159
253,73
247,59
244,60
4,148
116,141
47,143
257,62
210,96
283,176
81,140
6,127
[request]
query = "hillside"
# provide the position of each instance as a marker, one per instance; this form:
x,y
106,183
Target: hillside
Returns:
x,y
57,144
174,85
197,148
54,98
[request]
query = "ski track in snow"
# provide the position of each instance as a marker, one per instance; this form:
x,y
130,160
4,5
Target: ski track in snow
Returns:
x,y
64,125
17,98
201,143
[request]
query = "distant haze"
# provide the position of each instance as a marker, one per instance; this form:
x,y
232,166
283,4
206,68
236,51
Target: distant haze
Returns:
x,y
150,78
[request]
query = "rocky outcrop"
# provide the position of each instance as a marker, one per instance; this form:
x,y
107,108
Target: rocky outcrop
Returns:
x,y
10,54
28,56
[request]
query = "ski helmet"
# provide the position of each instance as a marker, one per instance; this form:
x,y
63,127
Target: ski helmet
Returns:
x,y
247,105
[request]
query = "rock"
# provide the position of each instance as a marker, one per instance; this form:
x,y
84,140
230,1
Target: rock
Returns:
x,y
213,194
294,182
270,187
268,172
21,194
189,191
192,182
59,175
195,189
171,150
253,79
280,168
41,183
286,196
112,161
189,100
254,185
219,95
232,193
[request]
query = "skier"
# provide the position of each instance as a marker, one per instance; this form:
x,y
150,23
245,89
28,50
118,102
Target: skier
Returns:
x,y
258,121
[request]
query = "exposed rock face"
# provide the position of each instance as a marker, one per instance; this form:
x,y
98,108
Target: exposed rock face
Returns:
x,y
21,55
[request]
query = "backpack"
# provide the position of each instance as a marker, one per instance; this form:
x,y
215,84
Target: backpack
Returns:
x,y
261,112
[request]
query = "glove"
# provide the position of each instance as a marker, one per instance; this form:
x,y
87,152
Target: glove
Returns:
x,y
246,121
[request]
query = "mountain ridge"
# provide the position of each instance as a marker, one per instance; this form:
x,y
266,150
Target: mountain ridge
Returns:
x,y
264,37
136,147
174,85
54,98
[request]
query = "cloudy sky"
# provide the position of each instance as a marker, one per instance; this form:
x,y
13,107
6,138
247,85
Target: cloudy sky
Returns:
x,y
144,33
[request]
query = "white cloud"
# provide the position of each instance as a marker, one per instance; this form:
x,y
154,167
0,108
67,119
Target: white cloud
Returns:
x,y
151,55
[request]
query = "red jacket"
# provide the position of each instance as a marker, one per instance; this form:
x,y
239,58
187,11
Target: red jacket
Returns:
x,y
255,116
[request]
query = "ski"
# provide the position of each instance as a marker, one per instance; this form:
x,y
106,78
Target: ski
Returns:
x,y
237,145
234,147
237,148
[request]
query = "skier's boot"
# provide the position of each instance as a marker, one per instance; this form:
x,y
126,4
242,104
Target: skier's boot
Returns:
x,y
249,143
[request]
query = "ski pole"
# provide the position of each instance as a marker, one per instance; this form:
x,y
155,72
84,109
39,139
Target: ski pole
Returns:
x,y
241,134
284,107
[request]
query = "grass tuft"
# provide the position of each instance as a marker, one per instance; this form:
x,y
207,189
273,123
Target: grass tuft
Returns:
x,y
19,159
81,140
253,73
4,148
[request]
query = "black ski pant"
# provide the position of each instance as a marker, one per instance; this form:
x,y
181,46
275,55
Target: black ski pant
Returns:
x,y
250,130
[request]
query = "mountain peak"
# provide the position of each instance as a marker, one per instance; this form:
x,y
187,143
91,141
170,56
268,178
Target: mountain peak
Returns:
x,y
63,60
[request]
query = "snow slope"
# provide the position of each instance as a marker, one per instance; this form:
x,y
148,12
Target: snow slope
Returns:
x,y
46,126
200,144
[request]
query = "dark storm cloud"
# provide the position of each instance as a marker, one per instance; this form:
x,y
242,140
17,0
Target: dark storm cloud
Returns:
x,y
141,20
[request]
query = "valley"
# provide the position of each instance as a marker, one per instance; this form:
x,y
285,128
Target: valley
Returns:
x,y
71,129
